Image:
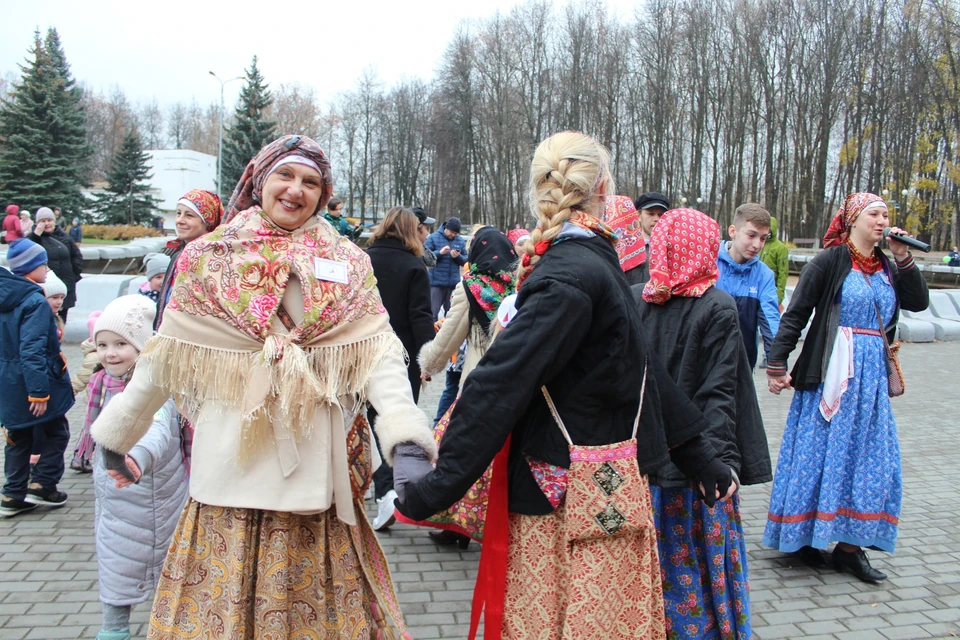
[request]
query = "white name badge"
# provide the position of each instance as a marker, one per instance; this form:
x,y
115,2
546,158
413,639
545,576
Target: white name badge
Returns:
x,y
330,270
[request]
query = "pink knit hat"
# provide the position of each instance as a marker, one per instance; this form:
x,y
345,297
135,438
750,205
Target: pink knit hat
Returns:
x,y
92,322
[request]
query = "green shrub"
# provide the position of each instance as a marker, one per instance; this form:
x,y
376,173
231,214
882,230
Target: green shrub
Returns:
x,y
118,232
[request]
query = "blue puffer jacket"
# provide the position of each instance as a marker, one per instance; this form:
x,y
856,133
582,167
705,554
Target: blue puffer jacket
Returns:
x,y
753,288
447,271
31,365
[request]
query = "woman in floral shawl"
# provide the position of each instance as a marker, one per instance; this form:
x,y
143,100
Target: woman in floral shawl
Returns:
x,y
273,342
487,282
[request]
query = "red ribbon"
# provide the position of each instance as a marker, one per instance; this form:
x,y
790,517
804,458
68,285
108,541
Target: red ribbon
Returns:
x,y
492,574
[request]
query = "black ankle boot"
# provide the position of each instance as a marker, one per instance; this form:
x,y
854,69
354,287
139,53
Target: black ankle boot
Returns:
x,y
449,537
811,557
858,564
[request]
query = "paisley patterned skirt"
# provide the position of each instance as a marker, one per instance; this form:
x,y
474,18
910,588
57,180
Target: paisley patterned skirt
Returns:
x,y
245,573
561,591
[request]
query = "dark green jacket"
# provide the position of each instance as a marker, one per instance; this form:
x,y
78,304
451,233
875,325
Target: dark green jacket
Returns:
x,y
774,255
342,226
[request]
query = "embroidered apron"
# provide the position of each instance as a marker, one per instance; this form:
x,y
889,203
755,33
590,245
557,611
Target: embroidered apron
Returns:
x,y
589,569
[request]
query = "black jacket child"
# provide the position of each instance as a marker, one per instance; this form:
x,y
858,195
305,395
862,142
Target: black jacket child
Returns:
x,y
700,344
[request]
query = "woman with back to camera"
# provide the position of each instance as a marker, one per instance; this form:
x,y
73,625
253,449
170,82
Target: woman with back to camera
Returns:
x,y
489,279
275,338
396,250
838,475
569,544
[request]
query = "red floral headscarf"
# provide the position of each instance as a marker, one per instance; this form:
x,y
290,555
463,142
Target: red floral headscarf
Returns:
x,y
622,216
249,190
207,205
853,205
683,256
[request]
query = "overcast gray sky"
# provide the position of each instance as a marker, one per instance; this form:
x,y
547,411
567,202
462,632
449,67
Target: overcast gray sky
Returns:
x,y
164,49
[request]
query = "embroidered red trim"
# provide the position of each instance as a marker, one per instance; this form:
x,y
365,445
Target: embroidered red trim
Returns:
x,y
828,517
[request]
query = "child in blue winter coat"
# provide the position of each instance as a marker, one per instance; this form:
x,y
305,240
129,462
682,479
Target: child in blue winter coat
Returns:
x,y
136,512
35,390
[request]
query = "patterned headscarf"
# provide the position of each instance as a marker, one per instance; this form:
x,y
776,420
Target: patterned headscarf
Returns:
x,y
683,256
853,205
206,204
491,276
515,235
249,190
622,216
579,219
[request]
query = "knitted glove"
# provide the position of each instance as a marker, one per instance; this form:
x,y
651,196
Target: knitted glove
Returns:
x,y
410,463
114,461
715,476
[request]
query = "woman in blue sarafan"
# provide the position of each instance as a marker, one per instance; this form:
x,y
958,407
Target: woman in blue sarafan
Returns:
x,y
838,477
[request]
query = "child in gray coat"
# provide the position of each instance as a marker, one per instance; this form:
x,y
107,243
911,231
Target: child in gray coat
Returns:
x,y
137,509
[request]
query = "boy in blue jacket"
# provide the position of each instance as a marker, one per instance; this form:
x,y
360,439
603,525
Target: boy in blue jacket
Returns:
x,y
35,389
450,250
748,280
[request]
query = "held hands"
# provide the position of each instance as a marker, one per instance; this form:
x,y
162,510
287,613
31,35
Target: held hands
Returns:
x,y
454,254
776,384
123,469
410,464
897,248
38,408
715,482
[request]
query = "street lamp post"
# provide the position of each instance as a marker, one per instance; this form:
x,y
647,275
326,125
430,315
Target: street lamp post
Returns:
x,y
220,150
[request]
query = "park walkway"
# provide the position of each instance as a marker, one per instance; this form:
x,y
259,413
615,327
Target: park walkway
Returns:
x,y
48,571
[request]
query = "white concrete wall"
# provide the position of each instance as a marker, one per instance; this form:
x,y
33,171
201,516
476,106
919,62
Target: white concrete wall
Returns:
x,y
176,171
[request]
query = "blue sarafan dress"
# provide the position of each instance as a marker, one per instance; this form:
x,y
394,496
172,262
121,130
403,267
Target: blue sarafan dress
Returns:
x,y
840,481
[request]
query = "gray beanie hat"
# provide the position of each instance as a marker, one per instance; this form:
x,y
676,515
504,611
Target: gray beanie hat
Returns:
x,y
43,213
155,264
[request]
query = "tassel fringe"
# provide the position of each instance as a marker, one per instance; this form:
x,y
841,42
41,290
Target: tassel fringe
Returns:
x,y
298,379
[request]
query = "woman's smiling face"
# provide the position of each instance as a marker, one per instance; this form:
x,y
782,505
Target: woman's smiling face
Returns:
x,y
291,194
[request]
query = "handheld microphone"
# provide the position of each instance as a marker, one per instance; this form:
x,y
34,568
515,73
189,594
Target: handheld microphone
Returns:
x,y
913,243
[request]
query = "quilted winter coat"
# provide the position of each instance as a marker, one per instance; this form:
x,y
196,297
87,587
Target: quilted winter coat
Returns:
x,y
133,526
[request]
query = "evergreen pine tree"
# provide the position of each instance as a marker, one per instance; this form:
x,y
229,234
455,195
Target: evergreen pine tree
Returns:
x,y
42,125
70,135
250,131
127,199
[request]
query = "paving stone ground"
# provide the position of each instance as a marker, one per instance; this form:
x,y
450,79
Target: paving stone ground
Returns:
x,y
48,570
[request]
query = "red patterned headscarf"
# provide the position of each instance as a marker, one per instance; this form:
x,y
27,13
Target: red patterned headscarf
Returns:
x,y
683,256
249,190
622,216
853,205
206,204
516,234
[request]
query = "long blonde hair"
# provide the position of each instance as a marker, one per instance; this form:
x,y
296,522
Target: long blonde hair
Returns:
x,y
570,172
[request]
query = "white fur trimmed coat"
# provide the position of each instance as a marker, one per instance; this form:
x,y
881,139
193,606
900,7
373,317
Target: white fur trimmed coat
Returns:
x,y
306,476
457,327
